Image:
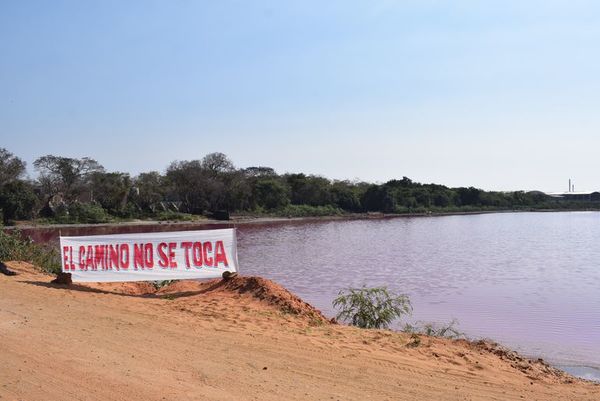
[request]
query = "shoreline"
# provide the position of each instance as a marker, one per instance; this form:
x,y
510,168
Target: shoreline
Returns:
x,y
61,342
83,229
50,233
243,219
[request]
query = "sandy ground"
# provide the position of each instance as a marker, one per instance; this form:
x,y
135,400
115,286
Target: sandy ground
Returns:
x,y
248,339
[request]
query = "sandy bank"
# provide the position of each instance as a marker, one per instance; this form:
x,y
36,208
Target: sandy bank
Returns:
x,y
248,339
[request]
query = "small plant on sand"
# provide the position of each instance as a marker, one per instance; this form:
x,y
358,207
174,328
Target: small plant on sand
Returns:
x,y
14,246
414,341
371,308
447,330
162,283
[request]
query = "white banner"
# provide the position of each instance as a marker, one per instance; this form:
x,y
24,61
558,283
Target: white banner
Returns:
x,y
150,256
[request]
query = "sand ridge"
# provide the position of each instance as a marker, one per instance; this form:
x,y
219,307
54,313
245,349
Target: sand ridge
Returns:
x,y
245,339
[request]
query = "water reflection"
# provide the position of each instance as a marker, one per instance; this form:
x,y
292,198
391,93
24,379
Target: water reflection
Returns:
x,y
528,280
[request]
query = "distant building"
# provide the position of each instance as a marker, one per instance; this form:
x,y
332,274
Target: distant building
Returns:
x,y
575,196
572,195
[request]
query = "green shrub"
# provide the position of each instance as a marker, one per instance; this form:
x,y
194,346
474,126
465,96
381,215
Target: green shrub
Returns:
x,y
82,213
271,194
447,330
14,247
309,211
173,216
17,201
371,308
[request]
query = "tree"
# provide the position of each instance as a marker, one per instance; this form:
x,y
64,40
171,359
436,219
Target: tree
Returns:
x,y
238,191
149,189
110,190
405,182
11,167
217,163
379,198
270,193
441,199
17,201
345,196
422,196
371,199
309,190
469,196
259,172
189,184
212,184
65,175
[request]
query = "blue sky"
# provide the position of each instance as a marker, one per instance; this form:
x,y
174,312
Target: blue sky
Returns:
x,y
500,95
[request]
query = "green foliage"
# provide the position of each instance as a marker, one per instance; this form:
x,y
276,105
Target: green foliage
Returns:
x,y
271,193
149,189
309,190
447,330
173,216
237,194
380,198
110,190
17,198
190,184
11,167
14,247
346,196
309,211
217,162
213,183
17,201
371,308
377,308
82,213
65,175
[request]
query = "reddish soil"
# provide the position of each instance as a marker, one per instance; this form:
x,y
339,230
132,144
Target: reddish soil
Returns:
x,y
243,339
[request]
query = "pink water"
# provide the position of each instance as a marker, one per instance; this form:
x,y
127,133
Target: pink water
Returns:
x,y
528,280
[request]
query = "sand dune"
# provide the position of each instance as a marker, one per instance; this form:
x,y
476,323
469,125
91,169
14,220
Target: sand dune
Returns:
x,y
247,339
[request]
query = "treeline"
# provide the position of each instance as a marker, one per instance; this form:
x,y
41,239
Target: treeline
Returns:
x,y
71,190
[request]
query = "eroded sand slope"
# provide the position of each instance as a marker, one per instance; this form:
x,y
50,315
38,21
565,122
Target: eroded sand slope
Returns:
x,y
248,339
